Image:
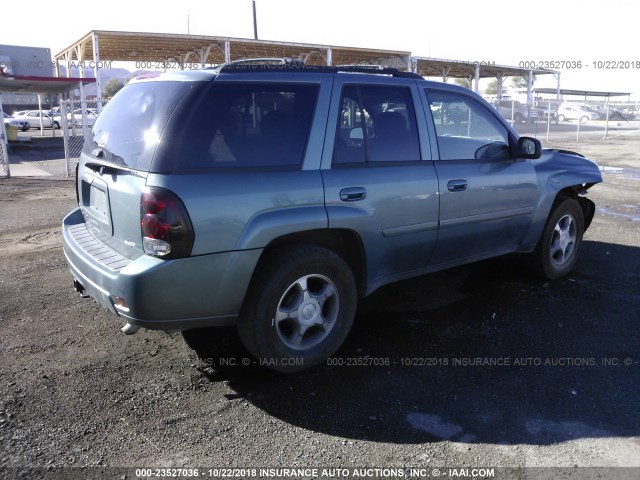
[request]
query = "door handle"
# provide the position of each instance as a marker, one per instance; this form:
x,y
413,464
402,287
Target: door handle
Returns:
x,y
353,194
457,185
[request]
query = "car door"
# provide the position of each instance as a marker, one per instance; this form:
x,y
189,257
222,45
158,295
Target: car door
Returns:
x,y
378,175
34,119
487,198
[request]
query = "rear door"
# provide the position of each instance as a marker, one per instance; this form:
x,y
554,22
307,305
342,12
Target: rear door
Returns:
x,y
378,175
116,158
487,198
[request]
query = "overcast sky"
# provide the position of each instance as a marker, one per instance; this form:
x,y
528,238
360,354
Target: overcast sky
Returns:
x,y
506,32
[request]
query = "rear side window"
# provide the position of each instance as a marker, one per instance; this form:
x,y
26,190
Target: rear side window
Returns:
x,y
376,124
243,125
128,129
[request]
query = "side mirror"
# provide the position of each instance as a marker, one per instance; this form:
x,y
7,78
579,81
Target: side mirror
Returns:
x,y
528,148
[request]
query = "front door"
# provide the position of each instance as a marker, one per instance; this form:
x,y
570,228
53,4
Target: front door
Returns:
x,y
487,197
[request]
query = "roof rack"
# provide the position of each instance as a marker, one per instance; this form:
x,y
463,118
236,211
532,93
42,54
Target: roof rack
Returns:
x,y
296,66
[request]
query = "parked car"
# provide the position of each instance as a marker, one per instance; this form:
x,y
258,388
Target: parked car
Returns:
x,y
19,124
516,110
273,198
33,118
90,115
576,112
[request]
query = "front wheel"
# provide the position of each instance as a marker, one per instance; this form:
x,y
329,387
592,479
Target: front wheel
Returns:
x,y
561,118
584,119
56,125
299,308
559,246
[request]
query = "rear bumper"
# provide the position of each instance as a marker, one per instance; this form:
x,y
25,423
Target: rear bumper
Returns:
x,y
206,290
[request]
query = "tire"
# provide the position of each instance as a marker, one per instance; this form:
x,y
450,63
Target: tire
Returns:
x,y
299,308
56,125
518,118
584,119
561,118
559,246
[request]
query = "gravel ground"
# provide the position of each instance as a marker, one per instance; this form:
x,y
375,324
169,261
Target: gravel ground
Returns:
x,y
480,366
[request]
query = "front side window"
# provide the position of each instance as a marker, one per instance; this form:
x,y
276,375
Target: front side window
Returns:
x,y
466,129
376,124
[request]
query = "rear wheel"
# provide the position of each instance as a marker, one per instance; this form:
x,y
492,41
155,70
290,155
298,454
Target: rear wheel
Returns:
x,y
559,246
584,119
56,125
299,308
561,118
518,117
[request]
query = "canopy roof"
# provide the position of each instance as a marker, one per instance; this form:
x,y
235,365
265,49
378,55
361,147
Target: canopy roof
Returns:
x,y
163,47
438,67
581,93
42,85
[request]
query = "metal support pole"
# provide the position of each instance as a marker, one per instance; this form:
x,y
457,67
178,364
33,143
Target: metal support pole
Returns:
x,y
529,94
41,119
65,137
227,51
96,70
548,120
53,128
578,131
499,80
329,57
255,22
606,124
5,171
476,83
513,110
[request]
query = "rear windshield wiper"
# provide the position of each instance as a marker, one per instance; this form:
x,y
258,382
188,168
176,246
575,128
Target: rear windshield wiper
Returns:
x,y
104,160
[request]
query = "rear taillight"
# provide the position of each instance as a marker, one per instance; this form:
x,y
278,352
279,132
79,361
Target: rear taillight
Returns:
x,y
165,225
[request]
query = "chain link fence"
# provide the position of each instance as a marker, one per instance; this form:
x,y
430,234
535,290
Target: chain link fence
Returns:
x,y
77,118
551,120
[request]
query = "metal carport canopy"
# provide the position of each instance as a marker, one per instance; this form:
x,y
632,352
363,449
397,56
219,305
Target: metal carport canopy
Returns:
x,y
439,67
102,45
582,93
40,85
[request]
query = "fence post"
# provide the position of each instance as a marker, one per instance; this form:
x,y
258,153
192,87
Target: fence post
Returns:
x,y
5,171
65,135
606,124
548,120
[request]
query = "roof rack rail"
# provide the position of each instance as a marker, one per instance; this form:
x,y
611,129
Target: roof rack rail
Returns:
x,y
263,61
293,65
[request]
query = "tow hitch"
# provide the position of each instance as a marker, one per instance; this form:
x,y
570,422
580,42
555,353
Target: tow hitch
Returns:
x,y
80,289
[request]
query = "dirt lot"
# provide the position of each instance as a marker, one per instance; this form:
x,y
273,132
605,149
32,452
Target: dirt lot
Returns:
x,y
75,391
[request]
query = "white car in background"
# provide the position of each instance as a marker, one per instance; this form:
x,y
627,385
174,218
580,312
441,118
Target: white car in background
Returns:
x,y
576,112
74,119
19,124
33,118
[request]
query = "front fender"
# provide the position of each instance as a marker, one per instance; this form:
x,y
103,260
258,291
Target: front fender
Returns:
x,y
556,171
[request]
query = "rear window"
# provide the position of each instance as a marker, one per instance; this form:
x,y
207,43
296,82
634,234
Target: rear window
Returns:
x,y
128,129
240,125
